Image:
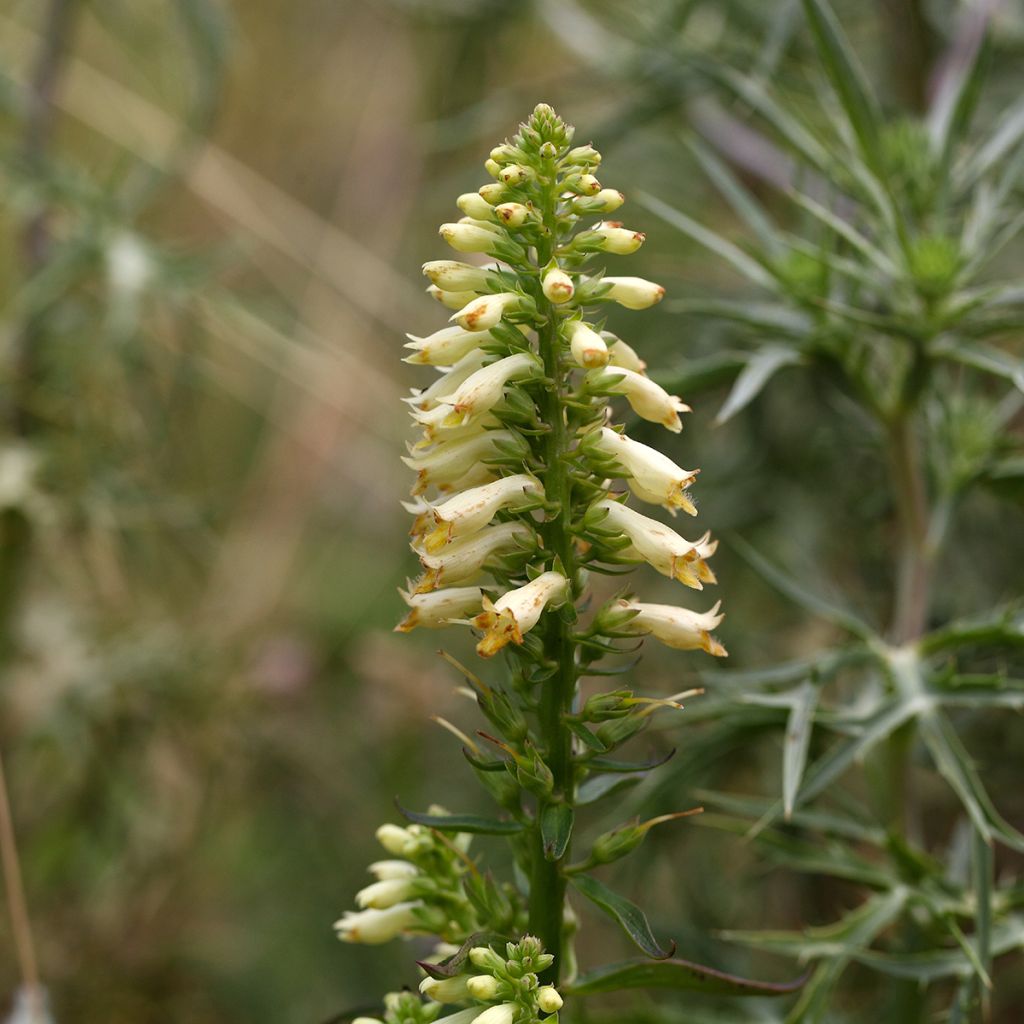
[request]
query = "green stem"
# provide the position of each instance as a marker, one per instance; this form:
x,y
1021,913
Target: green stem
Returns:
x,y
547,881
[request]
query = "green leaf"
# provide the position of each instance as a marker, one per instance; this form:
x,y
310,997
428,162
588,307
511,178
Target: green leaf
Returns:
x,y
955,101
462,823
761,367
954,764
1008,133
798,738
847,78
608,764
555,830
711,240
772,317
675,974
796,592
628,915
742,202
981,357
599,786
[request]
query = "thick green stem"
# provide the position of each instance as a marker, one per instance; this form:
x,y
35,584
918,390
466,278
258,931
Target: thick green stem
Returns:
x,y
547,881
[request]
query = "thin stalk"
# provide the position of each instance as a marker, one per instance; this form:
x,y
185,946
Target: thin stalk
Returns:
x,y
547,882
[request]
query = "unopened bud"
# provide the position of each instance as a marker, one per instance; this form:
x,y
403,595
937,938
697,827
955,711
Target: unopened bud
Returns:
x,y
492,192
548,151
613,845
394,839
588,347
474,205
617,239
558,286
486,959
468,237
514,174
512,215
483,987
492,167
505,153
548,998
584,155
450,300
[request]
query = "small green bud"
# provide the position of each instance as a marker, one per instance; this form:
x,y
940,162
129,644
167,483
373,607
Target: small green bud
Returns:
x,y
533,774
548,151
617,843
586,155
616,731
505,154
602,706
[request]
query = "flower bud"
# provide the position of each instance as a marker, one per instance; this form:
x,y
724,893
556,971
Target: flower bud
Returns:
x,y
383,869
503,1013
620,354
483,987
450,300
617,239
385,893
492,192
446,990
483,312
446,346
394,839
584,155
367,1020
588,185
515,174
548,999
512,215
472,204
486,959
558,286
492,167
587,346
468,237
505,153
648,400
373,927
633,292
548,151
457,277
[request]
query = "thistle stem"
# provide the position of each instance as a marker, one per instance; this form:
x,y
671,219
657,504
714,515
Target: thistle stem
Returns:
x,y
547,881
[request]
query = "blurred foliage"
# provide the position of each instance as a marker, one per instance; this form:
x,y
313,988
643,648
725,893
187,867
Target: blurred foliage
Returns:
x,y
210,259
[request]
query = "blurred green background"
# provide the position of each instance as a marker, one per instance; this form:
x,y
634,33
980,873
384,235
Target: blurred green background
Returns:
x,y
203,710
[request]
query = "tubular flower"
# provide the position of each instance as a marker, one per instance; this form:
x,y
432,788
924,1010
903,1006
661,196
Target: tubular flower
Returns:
x,y
438,607
449,380
453,276
464,559
464,237
447,463
482,390
620,354
657,478
472,510
446,346
517,612
451,300
617,239
659,545
483,312
648,400
372,927
676,627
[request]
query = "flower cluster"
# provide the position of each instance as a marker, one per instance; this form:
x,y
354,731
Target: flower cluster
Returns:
x,y
498,990
418,890
516,463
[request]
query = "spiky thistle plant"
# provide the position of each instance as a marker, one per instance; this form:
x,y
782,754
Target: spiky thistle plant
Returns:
x,y
523,500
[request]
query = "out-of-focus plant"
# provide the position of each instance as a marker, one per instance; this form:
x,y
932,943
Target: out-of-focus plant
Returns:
x,y
887,293
515,478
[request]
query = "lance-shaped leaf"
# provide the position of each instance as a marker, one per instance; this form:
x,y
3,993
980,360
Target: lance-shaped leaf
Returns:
x,y
555,830
628,915
462,823
599,786
761,367
675,974
609,764
454,964
798,738
847,78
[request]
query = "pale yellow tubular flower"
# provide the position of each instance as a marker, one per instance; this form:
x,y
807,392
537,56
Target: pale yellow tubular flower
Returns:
x,y
451,300
648,400
557,286
385,869
463,559
437,608
444,347
479,474
446,990
451,377
517,612
450,462
385,893
453,276
610,199
483,986
676,627
633,292
656,475
468,237
587,346
474,509
480,392
617,239
512,215
373,927
483,312
451,427
396,839
659,545
492,192
620,354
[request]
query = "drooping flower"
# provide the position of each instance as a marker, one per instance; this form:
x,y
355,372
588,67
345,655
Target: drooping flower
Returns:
x,y
437,608
676,627
633,292
464,559
516,612
648,400
475,508
373,927
587,346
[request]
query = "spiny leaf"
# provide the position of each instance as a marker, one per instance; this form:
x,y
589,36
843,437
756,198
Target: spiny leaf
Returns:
x,y
555,830
629,916
675,974
785,584
711,240
847,78
462,823
761,367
